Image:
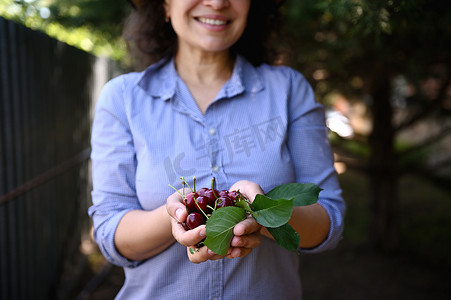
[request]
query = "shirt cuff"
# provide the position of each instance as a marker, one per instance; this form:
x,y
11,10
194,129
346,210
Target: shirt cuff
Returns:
x,y
105,239
335,231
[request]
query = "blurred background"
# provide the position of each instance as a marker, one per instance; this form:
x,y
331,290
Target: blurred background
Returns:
x,y
381,67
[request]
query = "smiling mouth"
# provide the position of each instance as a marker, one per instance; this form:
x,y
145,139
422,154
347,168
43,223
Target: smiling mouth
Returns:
x,y
212,21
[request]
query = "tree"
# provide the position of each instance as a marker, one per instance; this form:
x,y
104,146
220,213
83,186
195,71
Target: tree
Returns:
x,y
106,16
92,25
364,49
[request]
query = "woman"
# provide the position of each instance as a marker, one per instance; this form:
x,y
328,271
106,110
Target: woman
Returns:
x,y
208,108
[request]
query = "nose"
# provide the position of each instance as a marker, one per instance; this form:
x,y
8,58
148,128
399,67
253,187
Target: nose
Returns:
x,y
217,4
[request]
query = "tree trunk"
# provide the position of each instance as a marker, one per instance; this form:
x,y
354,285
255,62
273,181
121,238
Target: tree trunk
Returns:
x,y
383,171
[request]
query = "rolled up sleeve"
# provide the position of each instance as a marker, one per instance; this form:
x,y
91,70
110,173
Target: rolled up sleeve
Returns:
x,y
113,168
313,158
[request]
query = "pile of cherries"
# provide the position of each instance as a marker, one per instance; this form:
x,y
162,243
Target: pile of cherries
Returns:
x,y
200,204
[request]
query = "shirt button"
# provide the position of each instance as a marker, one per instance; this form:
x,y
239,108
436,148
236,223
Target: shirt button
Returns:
x,y
215,169
212,131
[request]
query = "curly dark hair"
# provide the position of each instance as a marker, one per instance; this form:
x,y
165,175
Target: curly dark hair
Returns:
x,y
150,38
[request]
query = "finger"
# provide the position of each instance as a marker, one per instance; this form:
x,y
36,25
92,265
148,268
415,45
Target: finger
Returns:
x,y
248,241
188,237
238,252
247,226
199,255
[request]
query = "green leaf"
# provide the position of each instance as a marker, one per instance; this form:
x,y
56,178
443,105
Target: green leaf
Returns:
x,y
220,228
303,193
286,237
271,213
244,204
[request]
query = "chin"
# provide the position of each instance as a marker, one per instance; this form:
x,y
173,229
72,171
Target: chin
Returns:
x,y
216,48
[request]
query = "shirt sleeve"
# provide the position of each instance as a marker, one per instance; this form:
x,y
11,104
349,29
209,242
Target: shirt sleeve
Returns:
x,y
113,169
308,141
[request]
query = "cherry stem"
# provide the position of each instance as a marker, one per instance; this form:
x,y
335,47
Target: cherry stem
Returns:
x,y
200,208
184,180
183,195
213,185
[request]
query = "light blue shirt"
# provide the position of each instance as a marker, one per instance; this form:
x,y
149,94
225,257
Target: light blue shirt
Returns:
x,y
264,126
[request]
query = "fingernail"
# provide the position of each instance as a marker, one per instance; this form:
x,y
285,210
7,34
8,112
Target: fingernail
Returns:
x,y
203,233
178,214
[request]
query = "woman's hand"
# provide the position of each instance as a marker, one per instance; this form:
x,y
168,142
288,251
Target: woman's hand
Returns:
x,y
247,237
247,233
189,238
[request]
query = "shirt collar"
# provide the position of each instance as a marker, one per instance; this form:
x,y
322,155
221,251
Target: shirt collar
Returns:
x,y
244,78
160,80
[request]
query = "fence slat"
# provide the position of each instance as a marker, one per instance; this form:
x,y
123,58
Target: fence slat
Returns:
x,y
45,105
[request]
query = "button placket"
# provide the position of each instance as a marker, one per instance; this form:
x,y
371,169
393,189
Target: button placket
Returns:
x,y
212,131
212,141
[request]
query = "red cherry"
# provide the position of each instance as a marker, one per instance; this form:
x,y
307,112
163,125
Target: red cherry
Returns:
x,y
232,194
194,219
224,201
202,191
202,203
223,193
189,201
212,194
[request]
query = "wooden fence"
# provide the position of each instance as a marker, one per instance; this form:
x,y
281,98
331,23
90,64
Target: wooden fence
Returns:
x,y
45,104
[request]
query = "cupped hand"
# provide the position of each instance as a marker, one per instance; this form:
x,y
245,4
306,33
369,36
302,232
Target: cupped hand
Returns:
x,y
247,232
177,211
246,237
189,238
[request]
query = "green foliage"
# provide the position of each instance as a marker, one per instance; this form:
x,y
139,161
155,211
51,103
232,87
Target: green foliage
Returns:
x,y
272,213
349,39
93,26
303,194
348,46
220,228
286,236
104,15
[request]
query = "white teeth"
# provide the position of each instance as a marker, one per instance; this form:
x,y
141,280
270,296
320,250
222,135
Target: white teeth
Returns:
x,y
212,21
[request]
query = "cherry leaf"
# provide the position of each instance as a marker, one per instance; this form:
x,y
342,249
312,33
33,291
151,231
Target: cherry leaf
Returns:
x,y
220,228
303,193
285,236
245,205
271,213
